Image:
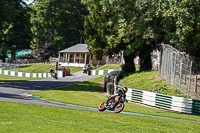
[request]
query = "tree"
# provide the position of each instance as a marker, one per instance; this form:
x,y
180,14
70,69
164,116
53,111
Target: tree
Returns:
x,y
62,19
15,32
45,51
115,26
104,31
6,7
182,27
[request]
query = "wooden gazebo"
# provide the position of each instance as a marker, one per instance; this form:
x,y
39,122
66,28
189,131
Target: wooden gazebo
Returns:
x,y
78,55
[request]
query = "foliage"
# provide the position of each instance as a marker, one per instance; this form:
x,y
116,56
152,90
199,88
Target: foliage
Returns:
x,y
56,24
15,31
183,17
138,26
159,89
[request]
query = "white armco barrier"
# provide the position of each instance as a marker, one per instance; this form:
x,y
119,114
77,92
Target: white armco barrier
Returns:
x,y
101,72
173,103
23,74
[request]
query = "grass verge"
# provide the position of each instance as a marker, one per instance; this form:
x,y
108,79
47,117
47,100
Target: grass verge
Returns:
x,y
22,118
43,68
149,81
89,94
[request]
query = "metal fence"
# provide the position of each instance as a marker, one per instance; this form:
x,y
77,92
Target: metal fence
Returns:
x,y
27,61
180,70
9,66
113,61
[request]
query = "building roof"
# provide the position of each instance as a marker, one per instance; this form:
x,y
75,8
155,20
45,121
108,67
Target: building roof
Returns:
x,y
78,48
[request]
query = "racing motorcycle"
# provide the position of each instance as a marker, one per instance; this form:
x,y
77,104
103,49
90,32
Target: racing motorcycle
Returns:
x,y
53,74
114,103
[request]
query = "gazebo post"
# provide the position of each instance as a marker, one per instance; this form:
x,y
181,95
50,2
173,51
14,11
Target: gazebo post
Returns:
x,y
85,58
68,58
75,58
59,57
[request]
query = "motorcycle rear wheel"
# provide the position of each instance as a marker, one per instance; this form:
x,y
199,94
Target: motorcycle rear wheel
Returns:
x,y
119,108
102,107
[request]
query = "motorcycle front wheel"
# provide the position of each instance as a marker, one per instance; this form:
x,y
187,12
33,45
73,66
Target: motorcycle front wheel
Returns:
x,y
119,107
102,107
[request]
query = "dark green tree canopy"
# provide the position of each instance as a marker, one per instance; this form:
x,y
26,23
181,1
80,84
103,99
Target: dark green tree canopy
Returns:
x,y
138,26
62,19
15,26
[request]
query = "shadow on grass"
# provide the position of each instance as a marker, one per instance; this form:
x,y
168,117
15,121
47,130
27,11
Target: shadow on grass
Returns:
x,y
83,86
23,66
39,85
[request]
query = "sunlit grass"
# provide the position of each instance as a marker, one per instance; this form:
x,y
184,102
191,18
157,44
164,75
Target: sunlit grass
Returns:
x,y
109,66
89,94
148,81
24,118
43,68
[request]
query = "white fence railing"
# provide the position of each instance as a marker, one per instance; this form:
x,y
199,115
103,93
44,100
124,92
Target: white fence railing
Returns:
x,y
173,103
177,69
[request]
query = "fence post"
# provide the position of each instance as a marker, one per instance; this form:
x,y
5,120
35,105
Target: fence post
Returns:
x,y
171,66
181,65
174,79
195,90
189,80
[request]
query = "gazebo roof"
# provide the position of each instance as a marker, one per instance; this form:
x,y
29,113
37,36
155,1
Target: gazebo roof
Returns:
x,y
78,48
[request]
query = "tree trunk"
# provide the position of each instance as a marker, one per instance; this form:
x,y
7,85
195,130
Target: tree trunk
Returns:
x,y
13,52
4,56
145,58
129,66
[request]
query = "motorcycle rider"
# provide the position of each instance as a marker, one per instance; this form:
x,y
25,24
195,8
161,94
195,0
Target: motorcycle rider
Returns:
x,y
120,92
86,68
51,70
53,73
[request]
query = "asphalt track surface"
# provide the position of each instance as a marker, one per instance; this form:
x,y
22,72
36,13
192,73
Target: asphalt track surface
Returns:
x,y
19,92
16,91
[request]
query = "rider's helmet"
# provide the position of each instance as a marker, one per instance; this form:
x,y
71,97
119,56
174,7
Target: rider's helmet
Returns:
x,y
122,90
125,89
50,69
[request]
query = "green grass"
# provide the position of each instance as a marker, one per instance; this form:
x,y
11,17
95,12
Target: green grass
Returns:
x,y
22,118
109,66
114,66
43,68
33,68
5,78
89,94
149,81
79,93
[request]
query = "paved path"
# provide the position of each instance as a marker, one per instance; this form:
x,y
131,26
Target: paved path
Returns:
x,y
13,91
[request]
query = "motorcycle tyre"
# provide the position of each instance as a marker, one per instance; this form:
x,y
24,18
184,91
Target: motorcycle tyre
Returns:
x,y
122,107
56,77
102,108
